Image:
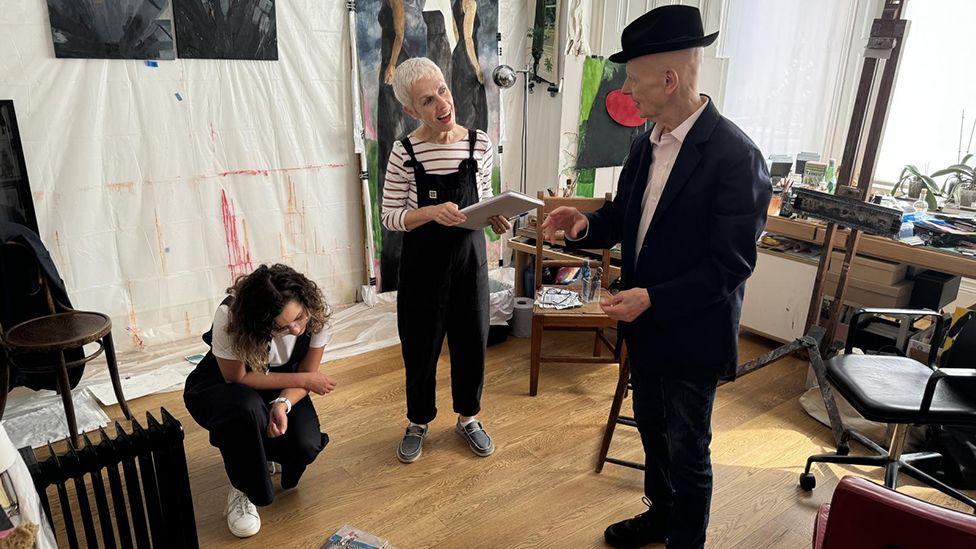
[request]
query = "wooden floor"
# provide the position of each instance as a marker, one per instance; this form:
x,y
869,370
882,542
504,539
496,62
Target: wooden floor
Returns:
x,y
539,488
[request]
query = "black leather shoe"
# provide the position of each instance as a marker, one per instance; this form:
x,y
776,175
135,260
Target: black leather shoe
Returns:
x,y
644,529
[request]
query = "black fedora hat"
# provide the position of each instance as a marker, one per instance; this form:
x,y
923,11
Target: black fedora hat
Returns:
x,y
668,28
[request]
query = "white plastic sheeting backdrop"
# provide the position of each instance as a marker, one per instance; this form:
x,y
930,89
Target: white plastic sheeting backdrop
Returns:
x,y
154,186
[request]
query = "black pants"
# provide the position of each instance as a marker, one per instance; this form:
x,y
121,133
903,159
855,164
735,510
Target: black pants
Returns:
x,y
674,419
450,301
237,418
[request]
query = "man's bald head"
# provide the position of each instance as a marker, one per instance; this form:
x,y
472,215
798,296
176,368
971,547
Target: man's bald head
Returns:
x,y
664,84
683,64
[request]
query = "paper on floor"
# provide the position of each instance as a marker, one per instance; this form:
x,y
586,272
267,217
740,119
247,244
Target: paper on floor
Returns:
x,y
46,422
167,378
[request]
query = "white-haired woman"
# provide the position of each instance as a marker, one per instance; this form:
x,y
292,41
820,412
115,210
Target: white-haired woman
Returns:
x,y
432,174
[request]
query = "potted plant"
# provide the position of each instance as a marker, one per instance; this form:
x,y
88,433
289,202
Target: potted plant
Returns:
x,y
912,181
960,187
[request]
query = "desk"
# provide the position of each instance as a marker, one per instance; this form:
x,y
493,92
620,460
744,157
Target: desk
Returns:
x,y
877,246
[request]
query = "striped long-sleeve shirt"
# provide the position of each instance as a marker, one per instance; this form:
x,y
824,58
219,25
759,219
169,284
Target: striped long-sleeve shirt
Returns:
x,y
400,186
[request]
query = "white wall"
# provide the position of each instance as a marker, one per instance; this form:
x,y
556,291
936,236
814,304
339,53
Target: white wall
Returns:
x,y
132,185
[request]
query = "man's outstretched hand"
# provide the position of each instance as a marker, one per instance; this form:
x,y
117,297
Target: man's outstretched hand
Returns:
x,y
566,219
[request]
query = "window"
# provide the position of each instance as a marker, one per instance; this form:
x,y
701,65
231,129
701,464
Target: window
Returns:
x,y
933,109
785,65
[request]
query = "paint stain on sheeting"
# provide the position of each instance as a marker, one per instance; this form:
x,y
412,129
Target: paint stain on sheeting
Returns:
x,y
127,186
161,247
245,172
186,323
267,172
238,255
133,329
294,216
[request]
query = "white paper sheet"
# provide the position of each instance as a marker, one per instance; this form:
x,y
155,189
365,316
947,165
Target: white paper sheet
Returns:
x,y
159,381
45,419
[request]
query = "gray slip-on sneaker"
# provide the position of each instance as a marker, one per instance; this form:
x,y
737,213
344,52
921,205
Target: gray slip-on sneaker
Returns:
x,y
412,444
476,436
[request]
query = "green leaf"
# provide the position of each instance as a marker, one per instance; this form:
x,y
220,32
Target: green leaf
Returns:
x,y
952,170
965,159
964,168
932,202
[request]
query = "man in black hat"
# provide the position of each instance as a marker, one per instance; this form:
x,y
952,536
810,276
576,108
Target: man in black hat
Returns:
x,y
690,204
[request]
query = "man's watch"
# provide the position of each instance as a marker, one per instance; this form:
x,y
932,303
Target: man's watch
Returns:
x,y
284,400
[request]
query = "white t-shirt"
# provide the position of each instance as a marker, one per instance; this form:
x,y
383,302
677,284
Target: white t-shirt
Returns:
x,y
279,349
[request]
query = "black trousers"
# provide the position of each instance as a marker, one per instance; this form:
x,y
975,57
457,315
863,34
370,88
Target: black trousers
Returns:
x,y
674,419
237,418
436,300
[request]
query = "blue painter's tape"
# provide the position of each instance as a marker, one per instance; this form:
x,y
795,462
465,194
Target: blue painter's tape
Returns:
x,y
152,64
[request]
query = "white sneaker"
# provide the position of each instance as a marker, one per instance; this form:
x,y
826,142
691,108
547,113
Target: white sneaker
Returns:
x,y
242,515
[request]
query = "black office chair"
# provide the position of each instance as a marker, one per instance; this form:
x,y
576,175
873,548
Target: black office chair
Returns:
x,y
901,392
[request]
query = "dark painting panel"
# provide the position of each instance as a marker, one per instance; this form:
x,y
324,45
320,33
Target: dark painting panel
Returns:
x,y
111,29
16,204
226,29
603,142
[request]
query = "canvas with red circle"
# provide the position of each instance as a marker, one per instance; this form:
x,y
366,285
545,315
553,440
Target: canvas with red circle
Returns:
x,y
623,110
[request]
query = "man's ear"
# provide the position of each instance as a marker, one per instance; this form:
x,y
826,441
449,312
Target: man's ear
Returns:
x,y
670,80
413,114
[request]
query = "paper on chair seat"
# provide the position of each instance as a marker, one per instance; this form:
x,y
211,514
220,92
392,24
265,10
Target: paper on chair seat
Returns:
x,y
508,204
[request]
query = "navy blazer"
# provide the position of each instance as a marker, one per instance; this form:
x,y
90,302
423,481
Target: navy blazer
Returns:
x,y
698,252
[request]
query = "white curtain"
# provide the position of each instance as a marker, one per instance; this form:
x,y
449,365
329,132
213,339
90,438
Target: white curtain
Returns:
x,y
936,86
785,61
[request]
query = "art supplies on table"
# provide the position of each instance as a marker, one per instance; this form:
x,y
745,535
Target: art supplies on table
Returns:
x,y
558,298
509,204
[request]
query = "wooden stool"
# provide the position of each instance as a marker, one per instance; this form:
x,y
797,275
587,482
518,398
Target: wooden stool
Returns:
x,y
53,334
623,388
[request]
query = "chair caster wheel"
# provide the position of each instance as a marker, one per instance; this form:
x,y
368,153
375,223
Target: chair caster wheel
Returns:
x,y
807,481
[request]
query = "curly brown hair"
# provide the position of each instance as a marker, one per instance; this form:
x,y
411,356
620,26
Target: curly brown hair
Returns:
x,y
259,297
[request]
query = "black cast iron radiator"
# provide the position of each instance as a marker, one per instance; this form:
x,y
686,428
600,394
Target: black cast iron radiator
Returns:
x,y
146,504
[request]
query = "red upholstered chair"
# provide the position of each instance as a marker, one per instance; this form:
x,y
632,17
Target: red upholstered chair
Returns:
x,y
865,515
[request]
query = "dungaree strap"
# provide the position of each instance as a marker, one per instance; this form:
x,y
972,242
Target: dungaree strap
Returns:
x,y
413,162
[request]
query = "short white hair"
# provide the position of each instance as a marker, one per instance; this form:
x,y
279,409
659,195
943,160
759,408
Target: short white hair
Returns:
x,y
408,73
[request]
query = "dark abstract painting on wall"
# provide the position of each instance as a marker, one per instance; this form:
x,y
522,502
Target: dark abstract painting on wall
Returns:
x,y
226,29
111,29
16,202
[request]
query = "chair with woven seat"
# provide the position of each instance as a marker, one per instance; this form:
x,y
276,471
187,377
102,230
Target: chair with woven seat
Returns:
x,y
38,345
901,392
589,318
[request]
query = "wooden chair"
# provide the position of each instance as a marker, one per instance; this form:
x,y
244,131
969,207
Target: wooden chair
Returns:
x,y
588,318
51,335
